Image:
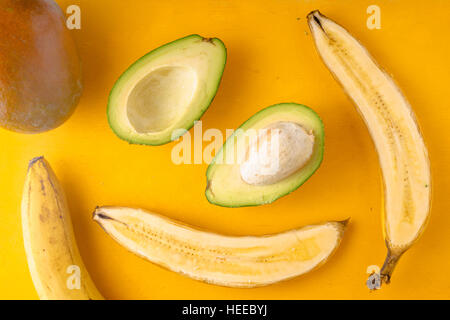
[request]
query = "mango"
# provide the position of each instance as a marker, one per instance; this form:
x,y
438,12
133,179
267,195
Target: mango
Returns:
x,y
40,70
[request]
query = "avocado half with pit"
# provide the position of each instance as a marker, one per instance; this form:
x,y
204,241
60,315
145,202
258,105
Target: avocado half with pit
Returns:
x,y
160,96
269,156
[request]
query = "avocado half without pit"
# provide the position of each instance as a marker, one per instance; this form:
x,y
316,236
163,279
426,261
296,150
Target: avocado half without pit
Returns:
x,y
269,156
162,94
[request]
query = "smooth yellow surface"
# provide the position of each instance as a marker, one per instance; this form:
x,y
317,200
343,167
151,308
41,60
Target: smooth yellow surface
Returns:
x,y
271,59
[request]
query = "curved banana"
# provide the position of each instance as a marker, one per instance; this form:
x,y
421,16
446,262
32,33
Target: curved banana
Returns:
x,y
243,262
56,268
392,125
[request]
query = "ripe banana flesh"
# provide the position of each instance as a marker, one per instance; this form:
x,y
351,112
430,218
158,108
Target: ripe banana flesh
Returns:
x,y
52,253
402,152
222,260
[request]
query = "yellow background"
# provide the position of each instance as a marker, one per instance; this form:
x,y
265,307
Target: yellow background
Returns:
x,y
271,59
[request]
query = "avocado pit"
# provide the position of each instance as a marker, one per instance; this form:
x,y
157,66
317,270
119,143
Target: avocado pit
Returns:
x,y
277,151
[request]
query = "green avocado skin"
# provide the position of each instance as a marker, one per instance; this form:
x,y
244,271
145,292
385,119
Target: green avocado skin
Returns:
x,y
316,160
137,65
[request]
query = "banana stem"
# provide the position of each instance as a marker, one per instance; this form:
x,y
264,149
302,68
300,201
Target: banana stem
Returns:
x,y
389,265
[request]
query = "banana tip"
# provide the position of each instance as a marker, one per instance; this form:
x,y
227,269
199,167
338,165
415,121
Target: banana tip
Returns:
x,y
34,160
94,214
314,14
99,215
345,222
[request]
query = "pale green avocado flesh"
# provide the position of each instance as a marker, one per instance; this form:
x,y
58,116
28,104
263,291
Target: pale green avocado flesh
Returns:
x,y
161,95
225,185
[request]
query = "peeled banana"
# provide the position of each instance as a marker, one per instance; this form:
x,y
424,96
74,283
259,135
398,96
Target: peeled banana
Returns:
x,y
56,268
243,262
402,152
